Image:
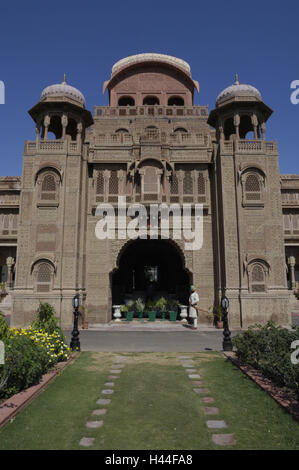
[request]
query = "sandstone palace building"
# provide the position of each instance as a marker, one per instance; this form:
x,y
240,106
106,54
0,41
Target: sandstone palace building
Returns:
x,y
152,145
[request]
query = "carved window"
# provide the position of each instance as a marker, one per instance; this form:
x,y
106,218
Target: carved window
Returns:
x,y
44,276
100,183
188,182
174,184
252,185
48,183
113,182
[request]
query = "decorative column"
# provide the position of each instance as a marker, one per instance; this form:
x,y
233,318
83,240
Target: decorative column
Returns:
x,y
263,129
47,121
79,133
9,262
237,124
292,262
254,122
64,123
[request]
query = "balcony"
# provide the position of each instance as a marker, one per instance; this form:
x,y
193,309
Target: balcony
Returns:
x,y
51,146
150,111
153,136
244,146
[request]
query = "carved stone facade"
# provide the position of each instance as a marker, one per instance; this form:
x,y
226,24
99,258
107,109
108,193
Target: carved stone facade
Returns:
x,y
152,146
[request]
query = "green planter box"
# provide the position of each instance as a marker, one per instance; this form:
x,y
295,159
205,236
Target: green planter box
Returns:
x,y
151,316
129,316
140,316
173,316
163,316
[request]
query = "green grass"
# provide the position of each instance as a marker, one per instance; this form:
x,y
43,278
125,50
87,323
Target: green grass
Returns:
x,y
153,407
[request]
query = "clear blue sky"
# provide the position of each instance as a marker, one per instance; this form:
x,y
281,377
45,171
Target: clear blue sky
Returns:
x,y
39,41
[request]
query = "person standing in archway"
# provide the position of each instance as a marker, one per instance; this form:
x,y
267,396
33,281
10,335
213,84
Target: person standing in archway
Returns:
x,y
193,306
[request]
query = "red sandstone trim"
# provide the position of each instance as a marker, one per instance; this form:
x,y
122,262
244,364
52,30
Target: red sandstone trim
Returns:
x,y
283,398
13,405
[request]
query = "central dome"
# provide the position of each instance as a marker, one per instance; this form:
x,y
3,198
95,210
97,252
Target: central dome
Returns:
x,y
63,90
238,90
150,57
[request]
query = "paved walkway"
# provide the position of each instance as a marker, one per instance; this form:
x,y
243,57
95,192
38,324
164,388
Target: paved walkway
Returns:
x,y
140,339
213,415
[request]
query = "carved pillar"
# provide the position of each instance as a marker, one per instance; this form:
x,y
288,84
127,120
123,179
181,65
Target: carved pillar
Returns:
x,y
263,129
292,262
180,176
79,132
64,123
47,121
254,122
237,124
9,262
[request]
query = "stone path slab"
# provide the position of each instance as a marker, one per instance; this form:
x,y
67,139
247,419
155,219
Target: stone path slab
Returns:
x,y
216,424
201,390
87,441
207,400
194,376
109,384
94,424
224,439
107,392
101,411
211,411
103,401
197,382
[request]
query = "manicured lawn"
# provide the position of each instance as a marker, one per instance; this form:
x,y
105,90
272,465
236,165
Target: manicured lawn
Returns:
x,y
153,407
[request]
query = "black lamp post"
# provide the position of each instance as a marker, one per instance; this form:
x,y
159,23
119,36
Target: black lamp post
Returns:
x,y
75,343
227,343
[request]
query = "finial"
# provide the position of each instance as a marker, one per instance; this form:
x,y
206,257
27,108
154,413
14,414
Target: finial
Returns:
x,y
237,79
64,81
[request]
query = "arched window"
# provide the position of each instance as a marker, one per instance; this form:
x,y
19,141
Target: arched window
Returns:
x,y
176,101
180,130
44,273
121,131
126,101
151,100
48,187
258,281
252,188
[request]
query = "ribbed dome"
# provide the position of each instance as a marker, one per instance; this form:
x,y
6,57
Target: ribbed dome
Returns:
x,y
63,89
238,90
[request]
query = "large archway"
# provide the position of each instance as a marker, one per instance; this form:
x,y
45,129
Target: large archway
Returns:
x,y
150,269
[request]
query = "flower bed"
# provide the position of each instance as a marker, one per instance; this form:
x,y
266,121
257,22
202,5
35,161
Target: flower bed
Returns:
x,y
30,353
268,349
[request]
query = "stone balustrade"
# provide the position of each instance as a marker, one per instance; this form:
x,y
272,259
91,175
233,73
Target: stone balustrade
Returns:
x,y
155,110
51,146
247,146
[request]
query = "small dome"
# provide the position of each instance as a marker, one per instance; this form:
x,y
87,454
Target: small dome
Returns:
x,y
64,90
238,90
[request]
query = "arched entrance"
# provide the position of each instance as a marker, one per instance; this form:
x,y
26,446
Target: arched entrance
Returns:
x,y
150,269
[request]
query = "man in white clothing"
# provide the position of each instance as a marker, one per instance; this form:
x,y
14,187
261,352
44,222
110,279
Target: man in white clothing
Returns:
x,y
193,309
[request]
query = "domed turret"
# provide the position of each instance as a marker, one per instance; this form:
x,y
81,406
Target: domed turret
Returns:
x,y
238,92
63,90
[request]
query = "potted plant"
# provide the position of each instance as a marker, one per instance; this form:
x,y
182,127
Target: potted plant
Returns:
x,y
3,289
161,305
218,316
130,310
150,308
139,305
173,309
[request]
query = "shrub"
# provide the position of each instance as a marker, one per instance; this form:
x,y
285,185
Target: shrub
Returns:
x,y
47,321
4,329
25,363
268,349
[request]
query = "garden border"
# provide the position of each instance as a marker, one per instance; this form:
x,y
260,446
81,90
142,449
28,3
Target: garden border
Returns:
x,y
13,405
281,397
